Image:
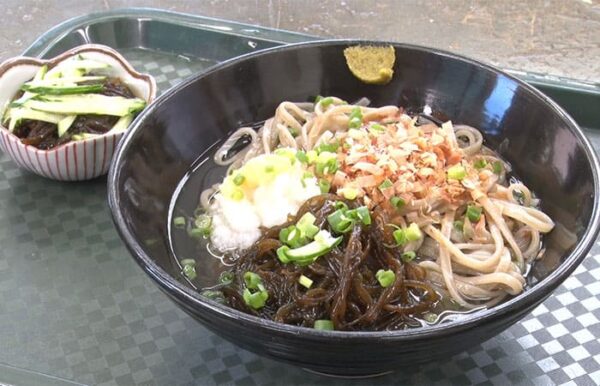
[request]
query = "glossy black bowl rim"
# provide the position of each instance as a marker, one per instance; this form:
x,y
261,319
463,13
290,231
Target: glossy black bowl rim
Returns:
x,y
194,300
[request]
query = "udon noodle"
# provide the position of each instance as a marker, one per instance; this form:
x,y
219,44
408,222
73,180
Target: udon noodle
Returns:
x,y
445,218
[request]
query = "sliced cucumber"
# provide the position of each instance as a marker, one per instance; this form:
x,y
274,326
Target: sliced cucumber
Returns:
x,y
122,124
87,104
64,89
76,67
65,123
41,73
17,114
64,81
39,76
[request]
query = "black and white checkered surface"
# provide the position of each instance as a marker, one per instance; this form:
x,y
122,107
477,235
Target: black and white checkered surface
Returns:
x,y
74,305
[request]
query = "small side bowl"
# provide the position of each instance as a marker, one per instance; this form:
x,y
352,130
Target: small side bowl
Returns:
x,y
75,160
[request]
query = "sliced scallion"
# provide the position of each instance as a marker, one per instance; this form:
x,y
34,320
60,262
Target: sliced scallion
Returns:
x,y
324,185
256,300
497,167
457,172
324,324
252,280
349,193
330,147
386,184
385,277
376,128
302,157
479,164
203,222
226,277
179,222
339,222
397,202
325,102
305,281
399,237
473,213
413,233
189,271
408,256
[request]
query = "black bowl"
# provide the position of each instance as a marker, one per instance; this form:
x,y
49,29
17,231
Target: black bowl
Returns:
x,y
546,148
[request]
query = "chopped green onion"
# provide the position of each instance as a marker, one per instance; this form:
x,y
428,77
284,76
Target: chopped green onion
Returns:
x,y
458,225
330,147
292,237
326,163
408,256
376,128
457,172
305,281
324,185
302,157
311,155
196,233
479,164
399,236
282,254
386,184
203,222
339,222
238,179
308,175
397,202
287,153
226,277
356,113
252,280
340,205
255,300
269,169
322,244
324,324
294,132
413,233
306,225
216,296
473,213
346,146
179,222
354,123
318,98
188,262
325,102
349,193
361,213
189,271
237,195
385,278
497,167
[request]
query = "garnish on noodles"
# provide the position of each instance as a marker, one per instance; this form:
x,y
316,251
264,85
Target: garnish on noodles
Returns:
x,y
349,217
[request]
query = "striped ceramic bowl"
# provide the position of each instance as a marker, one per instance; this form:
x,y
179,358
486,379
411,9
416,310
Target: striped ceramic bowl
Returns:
x,y
76,160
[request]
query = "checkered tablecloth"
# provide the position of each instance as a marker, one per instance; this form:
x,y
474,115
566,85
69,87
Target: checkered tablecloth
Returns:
x,y
74,305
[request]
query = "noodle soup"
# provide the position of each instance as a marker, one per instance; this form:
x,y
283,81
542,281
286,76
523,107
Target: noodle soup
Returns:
x,y
348,217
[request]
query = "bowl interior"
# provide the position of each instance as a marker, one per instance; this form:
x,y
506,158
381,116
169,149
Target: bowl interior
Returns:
x,y
544,147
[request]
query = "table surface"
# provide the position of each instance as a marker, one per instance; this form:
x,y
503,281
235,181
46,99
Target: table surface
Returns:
x,y
128,332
